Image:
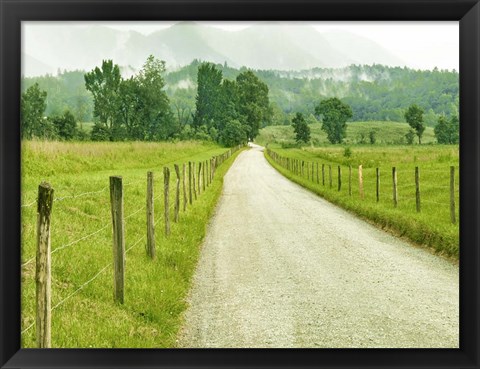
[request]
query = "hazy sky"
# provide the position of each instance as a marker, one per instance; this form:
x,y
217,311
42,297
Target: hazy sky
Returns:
x,y
422,45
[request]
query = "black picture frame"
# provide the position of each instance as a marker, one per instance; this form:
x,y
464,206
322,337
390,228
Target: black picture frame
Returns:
x,y
12,12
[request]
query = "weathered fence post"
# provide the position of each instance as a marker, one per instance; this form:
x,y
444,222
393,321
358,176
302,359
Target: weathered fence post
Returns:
x,y
308,170
203,175
452,195
323,174
177,193
395,193
378,184
190,182
116,200
199,177
330,175
43,268
184,174
417,189
349,180
166,189
339,178
150,217
303,168
318,180
193,181
360,181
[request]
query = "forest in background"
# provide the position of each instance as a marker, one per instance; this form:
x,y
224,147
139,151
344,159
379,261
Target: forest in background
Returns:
x,y
375,92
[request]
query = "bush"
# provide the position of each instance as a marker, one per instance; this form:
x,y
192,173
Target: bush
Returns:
x,y
233,134
347,152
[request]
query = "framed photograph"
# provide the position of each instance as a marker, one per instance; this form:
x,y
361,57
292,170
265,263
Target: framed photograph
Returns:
x,y
239,184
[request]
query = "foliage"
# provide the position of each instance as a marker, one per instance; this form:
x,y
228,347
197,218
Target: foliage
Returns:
x,y
234,133
373,136
104,84
334,115
414,117
253,102
301,128
33,123
447,130
207,101
65,125
410,136
347,152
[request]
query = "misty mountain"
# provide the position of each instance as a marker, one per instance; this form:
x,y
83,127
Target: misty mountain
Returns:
x,y
289,47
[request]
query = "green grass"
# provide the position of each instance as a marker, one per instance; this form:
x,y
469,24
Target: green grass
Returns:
x,y
431,227
155,289
386,133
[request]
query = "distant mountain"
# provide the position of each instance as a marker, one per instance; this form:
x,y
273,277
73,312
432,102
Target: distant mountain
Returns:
x,y
292,47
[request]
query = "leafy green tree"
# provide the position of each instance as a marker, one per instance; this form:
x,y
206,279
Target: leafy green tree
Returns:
x,y
156,117
104,85
32,109
334,114
65,125
447,131
414,117
253,103
209,81
233,134
373,136
301,128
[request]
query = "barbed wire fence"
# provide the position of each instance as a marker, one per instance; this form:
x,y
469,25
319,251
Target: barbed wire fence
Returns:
x,y
321,173
44,202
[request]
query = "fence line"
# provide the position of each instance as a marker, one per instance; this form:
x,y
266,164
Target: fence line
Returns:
x,y
413,189
203,183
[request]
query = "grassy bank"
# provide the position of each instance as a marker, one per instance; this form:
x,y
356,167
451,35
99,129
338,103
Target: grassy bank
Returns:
x,y
357,133
83,311
431,227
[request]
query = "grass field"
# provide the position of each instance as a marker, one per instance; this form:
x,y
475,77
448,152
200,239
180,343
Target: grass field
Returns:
x,y
83,311
431,227
385,133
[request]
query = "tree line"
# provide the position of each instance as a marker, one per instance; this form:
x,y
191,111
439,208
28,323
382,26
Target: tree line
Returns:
x,y
334,114
137,108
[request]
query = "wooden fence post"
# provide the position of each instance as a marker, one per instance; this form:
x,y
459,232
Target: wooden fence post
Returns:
x,y
193,181
452,195
203,175
318,180
116,200
323,174
184,174
360,181
43,269
395,193
150,217
303,168
378,184
417,189
330,175
166,189
339,178
308,170
177,194
349,180
190,182
313,171
199,177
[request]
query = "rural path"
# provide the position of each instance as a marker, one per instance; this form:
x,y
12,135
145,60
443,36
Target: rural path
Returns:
x,y
281,267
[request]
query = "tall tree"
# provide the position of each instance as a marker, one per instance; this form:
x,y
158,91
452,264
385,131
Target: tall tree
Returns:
x,y
301,128
253,102
414,117
31,113
156,116
104,85
207,102
65,125
334,114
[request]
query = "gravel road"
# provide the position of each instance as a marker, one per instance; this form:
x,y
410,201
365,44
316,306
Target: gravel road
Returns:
x,y
281,267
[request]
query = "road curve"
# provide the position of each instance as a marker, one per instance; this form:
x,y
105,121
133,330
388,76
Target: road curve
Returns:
x,y
281,267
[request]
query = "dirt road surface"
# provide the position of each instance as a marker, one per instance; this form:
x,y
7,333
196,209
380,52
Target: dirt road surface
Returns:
x,y
281,267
